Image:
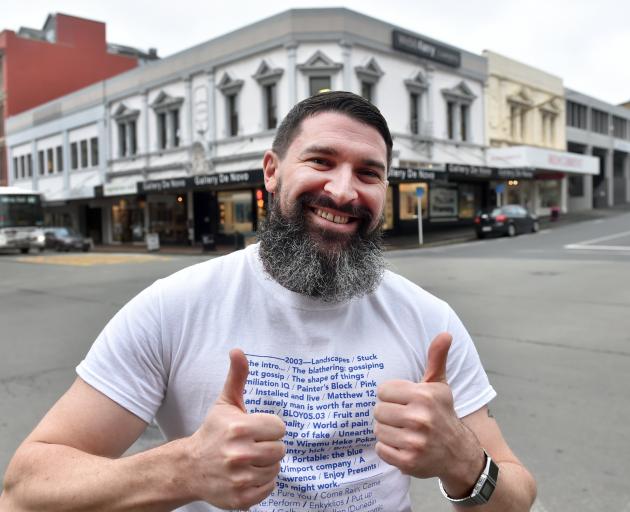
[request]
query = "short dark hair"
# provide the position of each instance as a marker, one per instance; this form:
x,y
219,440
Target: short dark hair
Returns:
x,y
342,102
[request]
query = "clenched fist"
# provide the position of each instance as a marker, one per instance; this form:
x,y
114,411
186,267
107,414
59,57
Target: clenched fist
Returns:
x,y
418,431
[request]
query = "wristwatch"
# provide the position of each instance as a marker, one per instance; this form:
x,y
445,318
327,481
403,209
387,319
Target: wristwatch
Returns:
x,y
483,488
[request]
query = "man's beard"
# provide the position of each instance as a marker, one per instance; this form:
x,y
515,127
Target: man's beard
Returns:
x,y
323,264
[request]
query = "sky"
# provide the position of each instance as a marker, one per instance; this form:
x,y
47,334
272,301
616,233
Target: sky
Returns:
x,y
586,43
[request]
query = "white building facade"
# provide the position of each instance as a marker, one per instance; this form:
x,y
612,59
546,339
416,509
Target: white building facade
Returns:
x,y
175,147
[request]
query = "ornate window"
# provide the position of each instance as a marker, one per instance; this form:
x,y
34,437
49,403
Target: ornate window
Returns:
x,y
167,109
320,70
520,104
416,88
458,102
231,89
126,119
268,78
368,76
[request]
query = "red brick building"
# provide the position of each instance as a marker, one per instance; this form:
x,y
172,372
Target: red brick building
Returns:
x,y
68,53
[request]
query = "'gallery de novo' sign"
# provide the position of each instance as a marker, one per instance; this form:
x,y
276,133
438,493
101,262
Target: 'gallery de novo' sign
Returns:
x,y
409,43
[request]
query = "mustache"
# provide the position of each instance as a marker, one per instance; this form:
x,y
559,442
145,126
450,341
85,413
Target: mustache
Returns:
x,y
324,201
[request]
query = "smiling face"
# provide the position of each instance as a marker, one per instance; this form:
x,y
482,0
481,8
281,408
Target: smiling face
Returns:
x,y
337,166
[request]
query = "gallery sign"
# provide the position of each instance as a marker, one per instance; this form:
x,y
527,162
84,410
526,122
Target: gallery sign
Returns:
x,y
485,172
415,45
404,174
204,181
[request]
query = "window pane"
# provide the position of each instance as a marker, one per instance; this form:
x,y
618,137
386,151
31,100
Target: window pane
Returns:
x,y
84,154
133,145
59,159
162,130
270,106
22,167
450,113
175,126
464,122
16,168
93,151
40,158
366,91
30,165
122,139
232,115
319,84
413,121
50,164
408,204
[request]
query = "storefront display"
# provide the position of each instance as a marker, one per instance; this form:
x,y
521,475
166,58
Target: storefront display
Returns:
x,y
408,201
235,212
443,203
128,221
167,218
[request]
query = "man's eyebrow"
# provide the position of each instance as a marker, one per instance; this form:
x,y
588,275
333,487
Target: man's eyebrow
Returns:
x,y
327,150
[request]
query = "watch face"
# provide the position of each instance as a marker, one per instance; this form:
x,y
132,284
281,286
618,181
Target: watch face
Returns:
x,y
486,492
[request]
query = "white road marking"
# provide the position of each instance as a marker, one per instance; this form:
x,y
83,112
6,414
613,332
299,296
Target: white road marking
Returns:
x,y
589,245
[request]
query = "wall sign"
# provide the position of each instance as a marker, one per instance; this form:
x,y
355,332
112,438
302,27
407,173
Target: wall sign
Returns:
x,y
409,43
205,181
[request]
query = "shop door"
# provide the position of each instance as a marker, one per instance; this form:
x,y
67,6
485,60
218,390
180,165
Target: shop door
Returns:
x,y
93,224
205,211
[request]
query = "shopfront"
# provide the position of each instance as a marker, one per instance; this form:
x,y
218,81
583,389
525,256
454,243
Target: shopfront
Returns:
x,y
222,206
537,178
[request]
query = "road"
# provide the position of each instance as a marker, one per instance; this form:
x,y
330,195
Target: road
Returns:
x,y
549,314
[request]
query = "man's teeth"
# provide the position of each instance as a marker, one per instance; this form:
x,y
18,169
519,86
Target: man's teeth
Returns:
x,y
337,219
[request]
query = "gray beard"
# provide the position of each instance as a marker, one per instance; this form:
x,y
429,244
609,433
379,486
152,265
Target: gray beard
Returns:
x,y
322,265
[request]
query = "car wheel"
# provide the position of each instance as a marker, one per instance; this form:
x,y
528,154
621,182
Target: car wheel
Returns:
x,y
535,227
511,230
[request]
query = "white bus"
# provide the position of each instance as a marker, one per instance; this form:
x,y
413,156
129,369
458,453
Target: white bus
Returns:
x,y
21,220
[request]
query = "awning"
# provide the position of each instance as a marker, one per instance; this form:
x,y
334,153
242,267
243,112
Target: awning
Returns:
x,y
529,157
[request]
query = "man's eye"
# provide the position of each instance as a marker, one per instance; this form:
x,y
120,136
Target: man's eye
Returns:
x,y
319,161
369,173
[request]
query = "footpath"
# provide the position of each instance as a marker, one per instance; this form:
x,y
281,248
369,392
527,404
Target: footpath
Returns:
x,y
431,237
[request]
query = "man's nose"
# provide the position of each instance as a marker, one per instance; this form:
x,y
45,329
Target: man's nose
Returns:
x,y
340,185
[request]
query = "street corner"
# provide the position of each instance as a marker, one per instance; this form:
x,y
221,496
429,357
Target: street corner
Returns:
x,y
90,259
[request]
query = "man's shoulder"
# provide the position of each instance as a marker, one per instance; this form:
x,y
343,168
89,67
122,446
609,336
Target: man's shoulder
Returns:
x,y
399,288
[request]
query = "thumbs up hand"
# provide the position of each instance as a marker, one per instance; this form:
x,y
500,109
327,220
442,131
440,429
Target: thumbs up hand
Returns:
x,y
418,431
236,456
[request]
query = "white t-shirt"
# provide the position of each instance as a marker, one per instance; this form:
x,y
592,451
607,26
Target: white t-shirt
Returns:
x,y
165,356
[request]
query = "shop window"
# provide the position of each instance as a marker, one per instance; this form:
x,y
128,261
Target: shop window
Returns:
x,y
576,186
230,88
443,203
50,162
408,201
469,200
389,209
549,191
40,161
59,151
94,152
127,221
168,216
268,78
84,154
235,212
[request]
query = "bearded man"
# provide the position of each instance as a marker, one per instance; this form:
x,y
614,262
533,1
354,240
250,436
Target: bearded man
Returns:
x,y
344,379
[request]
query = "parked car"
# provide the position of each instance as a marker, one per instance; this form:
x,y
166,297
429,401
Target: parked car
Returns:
x,y
66,239
509,220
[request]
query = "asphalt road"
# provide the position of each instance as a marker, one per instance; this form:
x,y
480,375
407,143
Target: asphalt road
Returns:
x,y
549,314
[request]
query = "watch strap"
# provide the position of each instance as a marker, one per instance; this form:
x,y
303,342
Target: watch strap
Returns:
x,y
483,488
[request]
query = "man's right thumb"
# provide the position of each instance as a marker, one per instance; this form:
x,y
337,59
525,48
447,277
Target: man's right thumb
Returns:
x,y
235,381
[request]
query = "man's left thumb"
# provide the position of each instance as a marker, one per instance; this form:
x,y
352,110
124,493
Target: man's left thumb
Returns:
x,y
436,358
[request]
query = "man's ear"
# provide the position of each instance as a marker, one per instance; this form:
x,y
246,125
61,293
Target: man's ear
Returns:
x,y
270,171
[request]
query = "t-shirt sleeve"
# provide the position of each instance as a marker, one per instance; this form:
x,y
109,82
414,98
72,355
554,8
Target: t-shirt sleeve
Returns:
x,y
466,376
126,362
